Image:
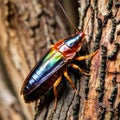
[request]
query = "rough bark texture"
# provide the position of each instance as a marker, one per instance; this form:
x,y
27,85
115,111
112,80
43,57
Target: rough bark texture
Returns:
x,y
28,28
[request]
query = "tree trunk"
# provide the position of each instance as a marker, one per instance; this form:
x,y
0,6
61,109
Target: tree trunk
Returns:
x,y
27,30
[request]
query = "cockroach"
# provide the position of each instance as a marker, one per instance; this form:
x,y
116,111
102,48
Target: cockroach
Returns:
x,y
48,71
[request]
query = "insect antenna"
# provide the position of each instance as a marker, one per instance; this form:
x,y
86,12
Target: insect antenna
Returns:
x,y
68,18
86,25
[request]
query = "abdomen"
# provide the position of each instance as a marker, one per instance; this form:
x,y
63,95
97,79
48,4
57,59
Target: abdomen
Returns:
x,y
42,89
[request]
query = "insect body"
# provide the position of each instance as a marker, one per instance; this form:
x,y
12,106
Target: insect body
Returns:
x,y
49,70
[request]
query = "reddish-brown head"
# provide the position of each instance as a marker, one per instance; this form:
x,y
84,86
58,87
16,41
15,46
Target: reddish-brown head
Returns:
x,y
82,34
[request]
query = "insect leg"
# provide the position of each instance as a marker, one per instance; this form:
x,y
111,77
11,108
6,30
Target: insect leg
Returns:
x,y
57,82
87,56
70,80
78,68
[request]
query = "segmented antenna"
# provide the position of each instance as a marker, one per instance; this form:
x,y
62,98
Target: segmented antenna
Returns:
x,y
87,24
70,21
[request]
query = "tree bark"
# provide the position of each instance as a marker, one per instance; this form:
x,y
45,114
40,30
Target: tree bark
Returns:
x,y
27,30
